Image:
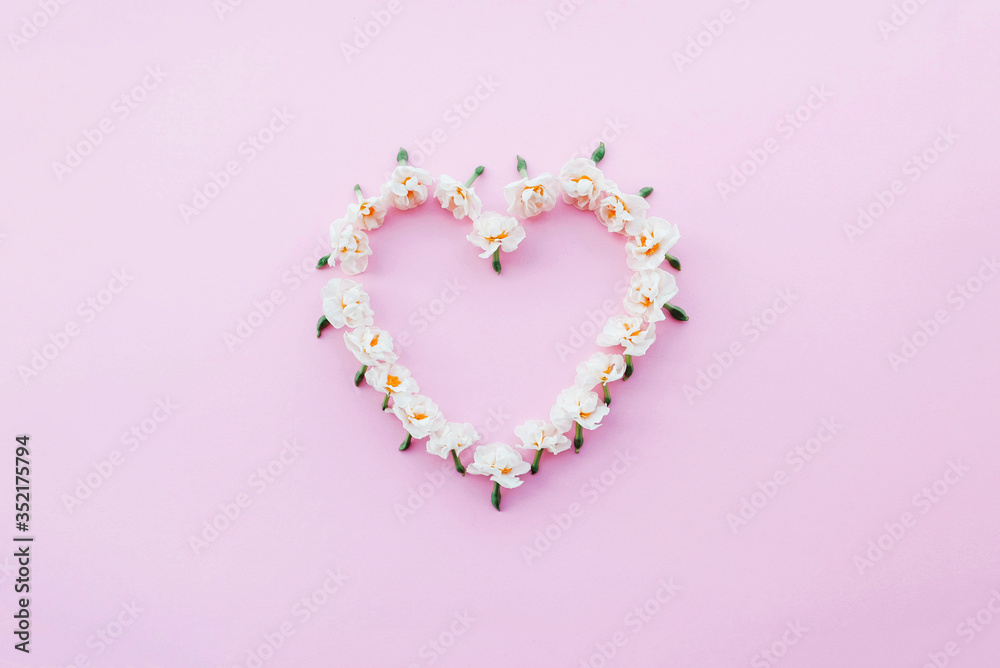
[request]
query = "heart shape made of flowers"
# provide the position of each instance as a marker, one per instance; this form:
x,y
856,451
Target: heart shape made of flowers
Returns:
x,y
580,183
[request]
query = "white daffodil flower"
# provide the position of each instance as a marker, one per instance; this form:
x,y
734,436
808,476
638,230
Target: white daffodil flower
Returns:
x,y
368,213
619,211
420,416
600,369
582,183
579,405
350,247
370,345
527,198
452,438
541,435
407,187
501,463
627,332
648,291
460,199
494,232
345,303
649,241
391,379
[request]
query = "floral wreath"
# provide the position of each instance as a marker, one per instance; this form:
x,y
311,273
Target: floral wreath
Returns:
x,y
581,184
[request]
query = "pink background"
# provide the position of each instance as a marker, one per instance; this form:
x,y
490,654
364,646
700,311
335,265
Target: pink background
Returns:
x,y
434,576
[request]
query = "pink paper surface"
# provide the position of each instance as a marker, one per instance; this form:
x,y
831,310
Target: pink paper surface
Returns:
x,y
803,475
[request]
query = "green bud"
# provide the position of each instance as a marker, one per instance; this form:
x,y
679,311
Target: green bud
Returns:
x,y
676,312
598,153
321,325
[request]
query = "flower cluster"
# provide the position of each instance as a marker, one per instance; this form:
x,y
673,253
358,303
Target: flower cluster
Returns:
x,y
580,183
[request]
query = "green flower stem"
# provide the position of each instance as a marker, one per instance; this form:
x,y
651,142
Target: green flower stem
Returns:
x,y
406,442
458,462
628,367
578,437
495,497
607,395
674,262
522,167
402,156
598,153
321,325
385,401
496,261
357,193
676,312
475,175
646,192
323,261
538,458
360,374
